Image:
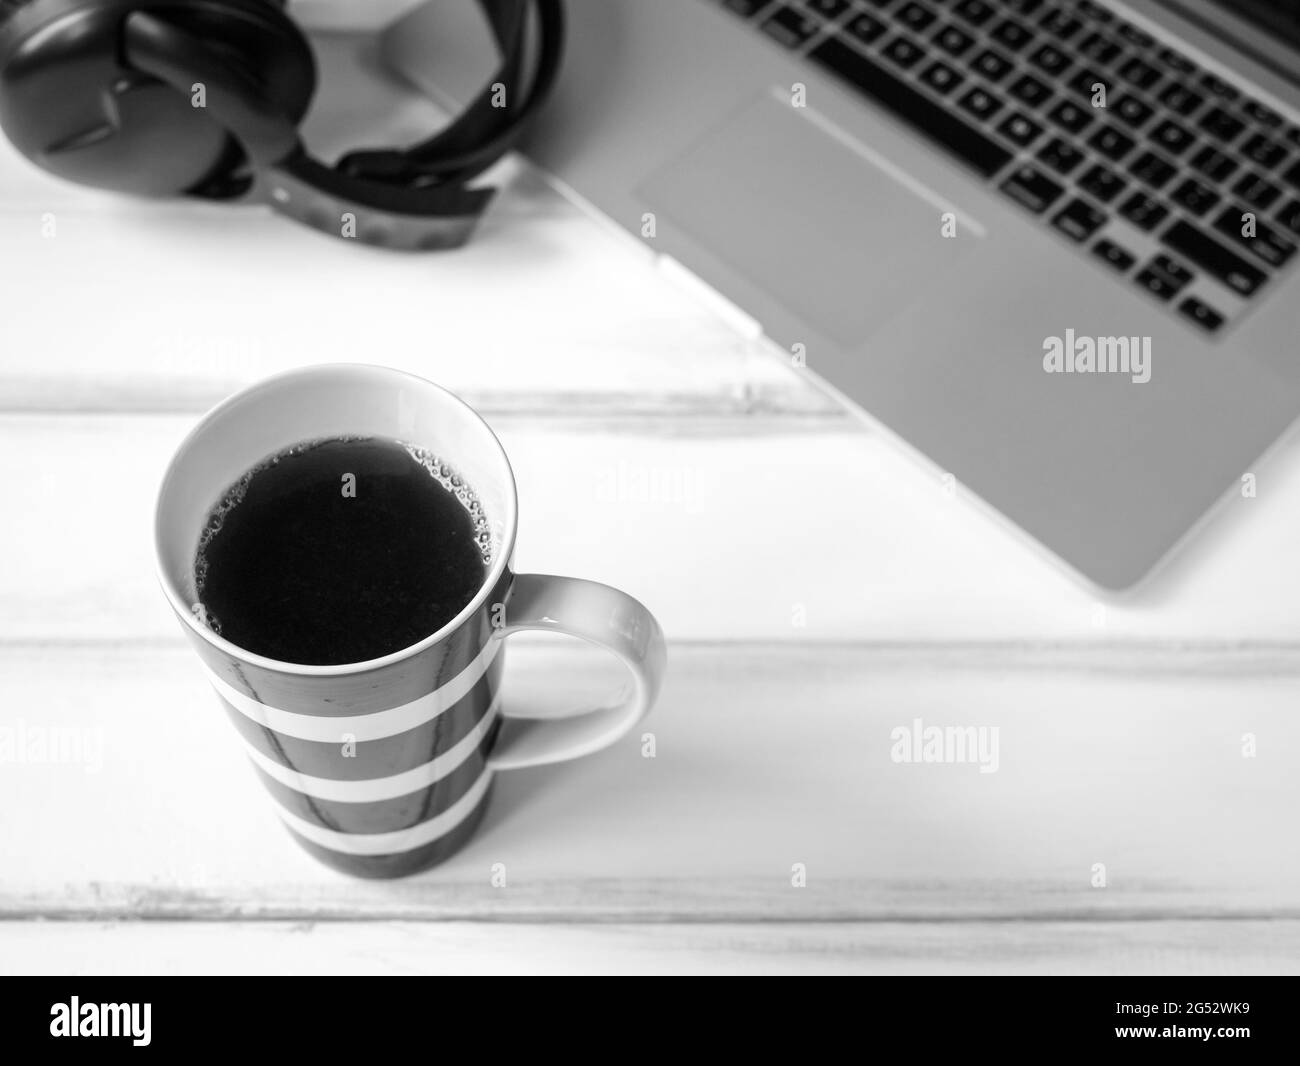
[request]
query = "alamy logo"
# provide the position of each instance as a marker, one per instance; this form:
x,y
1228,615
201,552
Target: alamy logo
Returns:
x,y
43,744
946,744
102,1019
1098,355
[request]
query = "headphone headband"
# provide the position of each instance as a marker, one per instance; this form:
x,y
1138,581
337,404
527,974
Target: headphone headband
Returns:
x,y
416,198
257,73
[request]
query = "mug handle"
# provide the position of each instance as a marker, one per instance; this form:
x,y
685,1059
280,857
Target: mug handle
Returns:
x,y
602,616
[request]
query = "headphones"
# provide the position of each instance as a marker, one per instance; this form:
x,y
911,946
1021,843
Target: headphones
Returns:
x,y
203,98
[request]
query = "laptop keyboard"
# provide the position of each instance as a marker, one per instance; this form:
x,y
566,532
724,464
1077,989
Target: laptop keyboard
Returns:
x,y
1158,185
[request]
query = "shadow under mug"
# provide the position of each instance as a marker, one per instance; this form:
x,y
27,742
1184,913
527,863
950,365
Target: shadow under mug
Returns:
x,y
383,768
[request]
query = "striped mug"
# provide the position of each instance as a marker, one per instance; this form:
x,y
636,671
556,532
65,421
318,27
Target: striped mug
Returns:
x,y
383,768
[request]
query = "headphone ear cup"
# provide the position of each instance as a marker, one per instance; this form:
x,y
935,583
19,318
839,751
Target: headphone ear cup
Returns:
x,y
260,80
259,38
71,101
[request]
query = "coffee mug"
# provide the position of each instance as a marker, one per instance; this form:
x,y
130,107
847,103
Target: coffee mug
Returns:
x,y
384,768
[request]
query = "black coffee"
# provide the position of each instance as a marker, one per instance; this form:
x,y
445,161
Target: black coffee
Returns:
x,y
339,551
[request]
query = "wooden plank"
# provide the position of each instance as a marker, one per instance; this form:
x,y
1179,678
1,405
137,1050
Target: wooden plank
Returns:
x,y
769,532
377,948
765,757
159,328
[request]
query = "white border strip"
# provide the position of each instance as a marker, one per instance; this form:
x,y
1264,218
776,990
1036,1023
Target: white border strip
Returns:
x,y
378,788
361,727
392,843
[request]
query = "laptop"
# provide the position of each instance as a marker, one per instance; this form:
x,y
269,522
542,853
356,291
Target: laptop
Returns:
x,y
1050,246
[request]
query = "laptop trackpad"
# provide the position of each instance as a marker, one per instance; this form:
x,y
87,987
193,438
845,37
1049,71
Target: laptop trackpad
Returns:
x,y
817,220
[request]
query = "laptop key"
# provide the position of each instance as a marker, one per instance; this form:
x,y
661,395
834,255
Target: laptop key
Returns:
x,y
828,9
1079,220
1070,117
1180,99
1212,257
790,27
1133,112
1095,11
993,65
980,104
1060,155
1032,189
1139,72
863,27
1100,48
1194,197
1151,169
941,77
1102,183
953,40
1214,164
1289,216
1012,35
1023,7
1263,151
1172,137
1061,24
1257,191
1157,284
1020,128
1143,211
1111,143
1134,36
1221,125
1265,116
1267,243
976,12
1029,90
1201,313
1114,255
915,16
912,106
744,8
1050,59
1219,87
1176,61
906,53
1085,80
1172,269
1292,175
1271,246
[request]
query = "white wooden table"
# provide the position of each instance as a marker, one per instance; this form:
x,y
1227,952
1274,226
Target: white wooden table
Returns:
x,y
818,588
